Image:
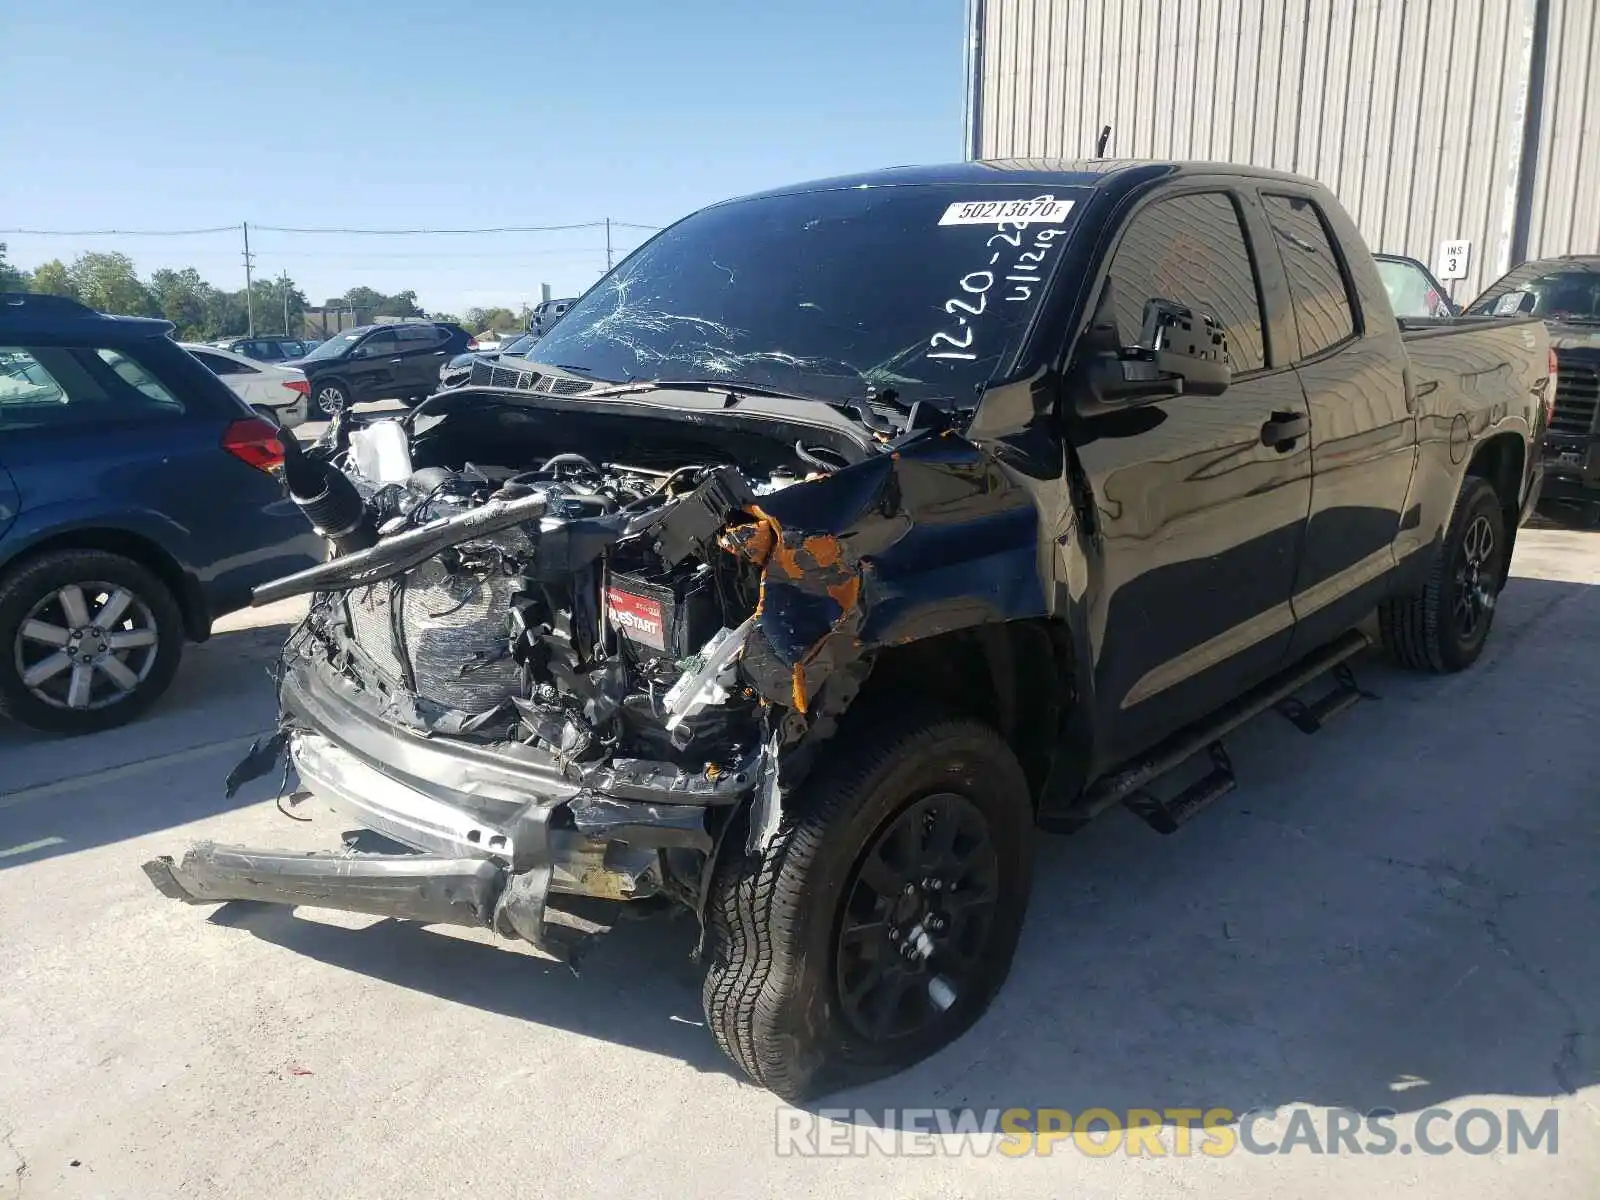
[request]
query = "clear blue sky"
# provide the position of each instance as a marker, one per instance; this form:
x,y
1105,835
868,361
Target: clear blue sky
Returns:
x,y
417,113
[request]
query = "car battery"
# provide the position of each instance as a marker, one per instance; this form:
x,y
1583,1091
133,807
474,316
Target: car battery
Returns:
x,y
672,614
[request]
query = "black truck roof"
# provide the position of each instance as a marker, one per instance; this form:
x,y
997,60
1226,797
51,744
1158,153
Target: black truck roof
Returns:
x,y
1119,174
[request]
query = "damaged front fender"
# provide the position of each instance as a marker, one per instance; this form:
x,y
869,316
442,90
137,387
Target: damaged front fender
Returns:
x,y
931,538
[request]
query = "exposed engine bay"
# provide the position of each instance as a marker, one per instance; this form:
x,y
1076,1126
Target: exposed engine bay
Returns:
x,y
566,650
489,584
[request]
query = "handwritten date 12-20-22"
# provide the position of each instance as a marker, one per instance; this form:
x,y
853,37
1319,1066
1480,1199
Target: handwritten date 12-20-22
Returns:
x,y
1019,264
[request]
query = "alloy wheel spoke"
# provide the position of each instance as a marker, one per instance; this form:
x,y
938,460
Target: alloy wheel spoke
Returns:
x,y
111,611
45,633
131,639
887,1001
867,937
879,876
47,668
117,671
73,606
82,686
941,834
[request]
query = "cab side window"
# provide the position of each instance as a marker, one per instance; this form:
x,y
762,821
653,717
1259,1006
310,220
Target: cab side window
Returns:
x,y
1321,294
1191,249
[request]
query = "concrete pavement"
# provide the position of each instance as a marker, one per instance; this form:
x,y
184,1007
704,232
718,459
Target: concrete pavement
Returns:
x,y
1398,911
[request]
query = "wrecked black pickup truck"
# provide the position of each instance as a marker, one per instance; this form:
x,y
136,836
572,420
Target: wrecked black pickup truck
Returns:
x,y
844,534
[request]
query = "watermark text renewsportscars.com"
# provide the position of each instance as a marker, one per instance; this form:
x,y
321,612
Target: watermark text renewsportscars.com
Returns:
x,y
1158,1133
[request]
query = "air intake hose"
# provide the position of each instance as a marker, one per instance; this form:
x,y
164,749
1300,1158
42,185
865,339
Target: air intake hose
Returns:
x,y
328,499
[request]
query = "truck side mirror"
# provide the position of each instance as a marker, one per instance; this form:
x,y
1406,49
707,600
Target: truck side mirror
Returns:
x,y
1180,352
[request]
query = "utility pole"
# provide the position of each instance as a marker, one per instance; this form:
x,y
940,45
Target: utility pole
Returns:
x,y
283,282
249,292
608,243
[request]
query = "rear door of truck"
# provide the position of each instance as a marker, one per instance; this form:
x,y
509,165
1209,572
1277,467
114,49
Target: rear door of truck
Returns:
x,y
1348,355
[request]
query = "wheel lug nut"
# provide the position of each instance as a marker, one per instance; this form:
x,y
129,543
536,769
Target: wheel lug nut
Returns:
x,y
909,889
894,935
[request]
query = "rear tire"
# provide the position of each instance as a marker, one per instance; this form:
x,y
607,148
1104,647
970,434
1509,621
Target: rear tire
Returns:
x,y
811,985
88,641
1443,627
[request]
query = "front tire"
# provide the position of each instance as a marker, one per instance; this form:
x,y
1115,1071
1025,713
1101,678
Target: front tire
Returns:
x,y
881,921
331,397
1442,628
88,641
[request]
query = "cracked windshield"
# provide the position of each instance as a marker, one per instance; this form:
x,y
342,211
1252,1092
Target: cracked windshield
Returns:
x,y
927,291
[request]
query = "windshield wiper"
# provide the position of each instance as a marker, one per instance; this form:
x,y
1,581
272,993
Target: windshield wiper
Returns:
x,y
735,389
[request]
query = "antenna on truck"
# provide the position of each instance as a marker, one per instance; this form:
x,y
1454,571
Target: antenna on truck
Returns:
x,y
1100,142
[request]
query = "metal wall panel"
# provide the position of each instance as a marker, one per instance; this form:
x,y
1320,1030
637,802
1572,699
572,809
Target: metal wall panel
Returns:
x,y
1412,111
1565,216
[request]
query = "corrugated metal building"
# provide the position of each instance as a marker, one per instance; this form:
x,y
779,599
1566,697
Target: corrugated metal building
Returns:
x,y
1433,120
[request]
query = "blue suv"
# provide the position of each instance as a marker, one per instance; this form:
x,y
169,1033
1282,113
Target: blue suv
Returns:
x,y
139,501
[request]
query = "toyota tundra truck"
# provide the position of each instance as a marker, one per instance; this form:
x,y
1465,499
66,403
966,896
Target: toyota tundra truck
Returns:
x,y
843,536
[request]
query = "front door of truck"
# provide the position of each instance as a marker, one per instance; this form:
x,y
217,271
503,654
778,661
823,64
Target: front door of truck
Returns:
x,y
1200,501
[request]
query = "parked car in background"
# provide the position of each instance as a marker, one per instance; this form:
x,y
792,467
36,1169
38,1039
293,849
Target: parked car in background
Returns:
x,y
398,361
281,394
459,369
269,348
801,607
1565,292
546,313
1413,290
138,503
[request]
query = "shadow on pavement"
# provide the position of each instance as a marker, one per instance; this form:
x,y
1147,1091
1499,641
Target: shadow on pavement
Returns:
x,y
1397,912
62,794
637,987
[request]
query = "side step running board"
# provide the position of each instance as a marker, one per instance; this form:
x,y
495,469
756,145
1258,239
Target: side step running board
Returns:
x,y
1123,784
1310,718
1164,816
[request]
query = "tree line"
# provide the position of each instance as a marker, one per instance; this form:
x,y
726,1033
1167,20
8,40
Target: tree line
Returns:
x,y
202,312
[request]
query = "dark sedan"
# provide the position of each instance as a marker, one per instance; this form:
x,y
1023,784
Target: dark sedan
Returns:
x,y
139,501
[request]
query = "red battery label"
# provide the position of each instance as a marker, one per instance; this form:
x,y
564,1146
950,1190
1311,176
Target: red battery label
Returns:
x,y
637,617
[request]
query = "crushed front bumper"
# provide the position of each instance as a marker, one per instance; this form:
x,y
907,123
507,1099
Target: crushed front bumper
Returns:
x,y
498,841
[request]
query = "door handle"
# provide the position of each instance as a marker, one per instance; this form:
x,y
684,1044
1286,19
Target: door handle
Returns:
x,y
1284,430
394,361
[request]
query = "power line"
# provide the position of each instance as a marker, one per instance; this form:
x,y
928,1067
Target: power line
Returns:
x,y
415,232
122,232
600,224
334,256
